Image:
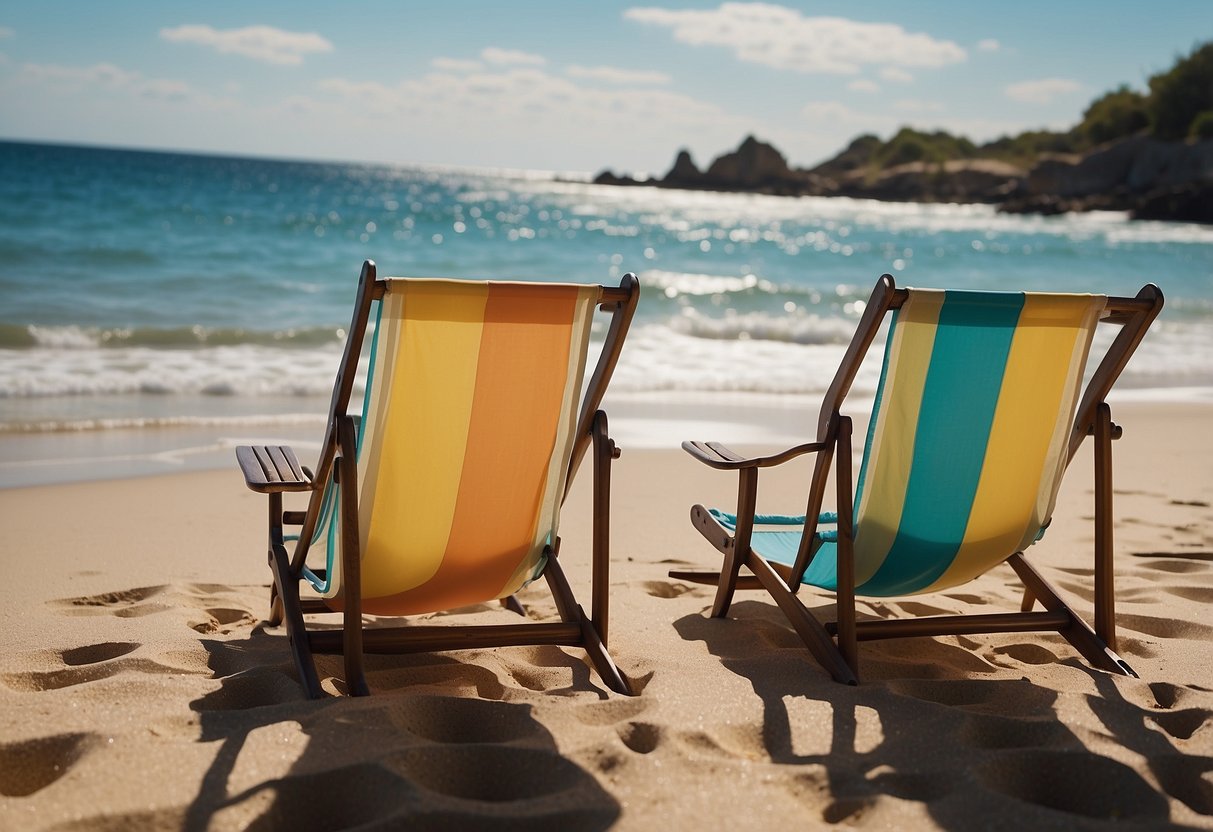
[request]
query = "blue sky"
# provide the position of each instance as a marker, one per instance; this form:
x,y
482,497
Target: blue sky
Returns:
x,y
565,85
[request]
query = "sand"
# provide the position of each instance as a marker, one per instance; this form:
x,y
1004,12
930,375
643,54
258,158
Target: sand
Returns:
x,y
138,688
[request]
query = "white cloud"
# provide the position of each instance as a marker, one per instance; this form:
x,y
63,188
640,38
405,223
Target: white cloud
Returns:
x,y
989,45
783,38
456,65
516,95
914,105
863,85
261,43
896,74
511,57
617,75
1042,91
105,77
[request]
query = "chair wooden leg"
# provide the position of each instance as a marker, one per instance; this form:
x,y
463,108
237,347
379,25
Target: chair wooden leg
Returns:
x,y
810,630
351,560
1105,594
1094,649
296,629
600,588
600,658
848,643
747,496
1028,602
591,641
511,603
274,618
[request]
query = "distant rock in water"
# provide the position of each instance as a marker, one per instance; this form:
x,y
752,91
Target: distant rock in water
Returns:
x,y
755,167
684,171
1151,178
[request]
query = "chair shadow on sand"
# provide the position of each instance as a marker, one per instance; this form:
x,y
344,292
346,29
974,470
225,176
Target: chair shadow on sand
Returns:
x,y
923,729
422,760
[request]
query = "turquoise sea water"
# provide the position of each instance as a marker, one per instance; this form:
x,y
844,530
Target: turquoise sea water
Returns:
x,y
147,292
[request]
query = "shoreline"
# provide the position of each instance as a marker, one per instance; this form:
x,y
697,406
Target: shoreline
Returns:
x,y
647,420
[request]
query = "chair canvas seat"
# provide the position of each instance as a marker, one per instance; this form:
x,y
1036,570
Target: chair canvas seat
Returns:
x,y
967,440
461,491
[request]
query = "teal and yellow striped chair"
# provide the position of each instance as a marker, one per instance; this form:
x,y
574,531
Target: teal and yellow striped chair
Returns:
x,y
979,409
447,491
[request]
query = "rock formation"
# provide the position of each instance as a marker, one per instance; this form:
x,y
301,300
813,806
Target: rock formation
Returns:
x,y
1151,178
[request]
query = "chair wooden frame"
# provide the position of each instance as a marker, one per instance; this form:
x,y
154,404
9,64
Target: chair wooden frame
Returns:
x,y
835,643
274,470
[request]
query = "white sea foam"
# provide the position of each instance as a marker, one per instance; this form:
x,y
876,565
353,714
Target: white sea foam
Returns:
x,y
795,352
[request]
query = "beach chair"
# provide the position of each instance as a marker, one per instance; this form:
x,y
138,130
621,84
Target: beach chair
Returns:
x,y
447,491
976,417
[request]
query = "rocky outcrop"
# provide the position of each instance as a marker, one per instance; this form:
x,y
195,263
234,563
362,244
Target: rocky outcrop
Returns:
x,y
960,180
753,165
1182,203
1150,178
684,170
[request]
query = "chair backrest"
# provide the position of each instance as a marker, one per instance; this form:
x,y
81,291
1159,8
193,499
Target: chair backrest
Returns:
x,y
969,434
471,428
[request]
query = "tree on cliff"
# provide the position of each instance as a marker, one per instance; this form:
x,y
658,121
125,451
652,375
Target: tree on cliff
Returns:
x,y
1115,115
1181,95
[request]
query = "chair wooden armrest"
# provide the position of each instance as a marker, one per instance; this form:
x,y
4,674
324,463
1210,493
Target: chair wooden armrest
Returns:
x,y
718,456
272,468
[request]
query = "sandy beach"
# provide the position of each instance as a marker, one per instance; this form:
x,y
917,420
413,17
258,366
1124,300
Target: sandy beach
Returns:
x,y
139,690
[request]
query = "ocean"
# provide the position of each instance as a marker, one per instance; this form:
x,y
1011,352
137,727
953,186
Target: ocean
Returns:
x,y
158,308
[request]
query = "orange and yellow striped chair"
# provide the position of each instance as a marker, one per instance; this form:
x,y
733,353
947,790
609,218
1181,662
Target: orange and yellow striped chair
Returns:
x,y
447,491
976,416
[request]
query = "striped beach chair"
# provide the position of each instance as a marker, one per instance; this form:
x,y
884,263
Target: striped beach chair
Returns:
x,y
979,410
446,492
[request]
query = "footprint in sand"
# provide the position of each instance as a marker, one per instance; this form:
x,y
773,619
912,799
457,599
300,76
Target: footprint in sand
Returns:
x,y
220,619
1075,782
1182,725
94,653
80,672
1167,695
446,787
641,737
30,766
459,721
1028,653
213,601
672,589
130,603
